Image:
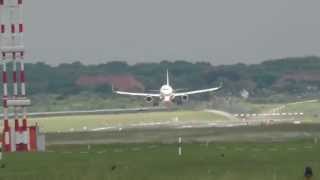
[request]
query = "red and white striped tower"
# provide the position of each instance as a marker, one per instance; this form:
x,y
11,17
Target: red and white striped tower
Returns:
x,y
15,94
22,74
24,128
6,128
12,50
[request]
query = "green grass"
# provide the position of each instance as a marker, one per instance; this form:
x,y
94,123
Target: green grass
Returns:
x,y
65,123
310,110
219,161
258,108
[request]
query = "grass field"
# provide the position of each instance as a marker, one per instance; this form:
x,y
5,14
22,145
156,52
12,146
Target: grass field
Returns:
x,y
218,161
309,108
77,123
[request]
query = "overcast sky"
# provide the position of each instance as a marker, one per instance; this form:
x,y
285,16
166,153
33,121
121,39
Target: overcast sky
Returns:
x,y
219,31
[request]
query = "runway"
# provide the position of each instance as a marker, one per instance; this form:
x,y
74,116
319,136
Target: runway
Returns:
x,y
261,133
233,121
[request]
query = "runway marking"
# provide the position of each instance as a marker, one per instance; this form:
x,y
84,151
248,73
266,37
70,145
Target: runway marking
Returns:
x,y
273,149
50,151
136,149
307,134
308,147
152,146
118,150
103,128
270,114
84,152
101,152
222,147
292,149
185,126
67,152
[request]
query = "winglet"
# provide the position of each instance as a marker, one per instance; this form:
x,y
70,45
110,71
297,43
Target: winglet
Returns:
x,y
221,84
112,88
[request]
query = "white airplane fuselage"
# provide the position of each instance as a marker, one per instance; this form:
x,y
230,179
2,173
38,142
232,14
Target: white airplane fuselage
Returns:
x,y
166,93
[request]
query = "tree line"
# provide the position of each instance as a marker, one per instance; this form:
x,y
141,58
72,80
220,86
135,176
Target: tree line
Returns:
x,y
299,76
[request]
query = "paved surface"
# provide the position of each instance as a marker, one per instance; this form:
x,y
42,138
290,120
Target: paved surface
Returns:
x,y
261,133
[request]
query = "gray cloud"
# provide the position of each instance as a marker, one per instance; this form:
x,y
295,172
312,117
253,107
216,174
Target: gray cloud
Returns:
x,y
219,31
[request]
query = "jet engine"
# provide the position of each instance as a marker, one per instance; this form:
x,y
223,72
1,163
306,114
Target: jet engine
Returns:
x,y
185,98
149,99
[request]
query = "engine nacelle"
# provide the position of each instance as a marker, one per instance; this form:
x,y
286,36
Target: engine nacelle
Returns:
x,y
149,99
185,98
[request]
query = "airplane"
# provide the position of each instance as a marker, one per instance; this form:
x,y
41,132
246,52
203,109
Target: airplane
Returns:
x,y
167,94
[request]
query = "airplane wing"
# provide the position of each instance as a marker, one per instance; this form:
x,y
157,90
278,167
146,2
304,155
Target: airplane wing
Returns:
x,y
197,91
152,90
181,89
137,94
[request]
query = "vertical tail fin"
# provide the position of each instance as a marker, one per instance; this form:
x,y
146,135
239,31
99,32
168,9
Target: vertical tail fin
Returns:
x,y
168,81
